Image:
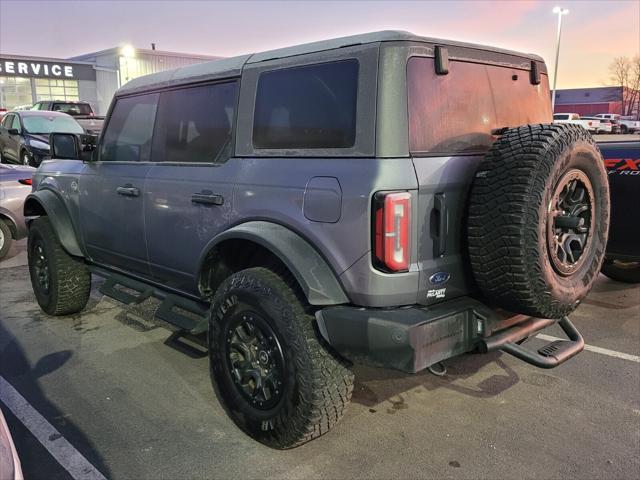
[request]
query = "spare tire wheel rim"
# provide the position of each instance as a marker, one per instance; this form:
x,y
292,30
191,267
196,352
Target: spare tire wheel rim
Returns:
x,y
571,216
255,360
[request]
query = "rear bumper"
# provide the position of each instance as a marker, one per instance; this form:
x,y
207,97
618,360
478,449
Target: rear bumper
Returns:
x,y
413,338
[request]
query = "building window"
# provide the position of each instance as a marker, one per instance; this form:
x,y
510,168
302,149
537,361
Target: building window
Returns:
x,y
15,92
56,89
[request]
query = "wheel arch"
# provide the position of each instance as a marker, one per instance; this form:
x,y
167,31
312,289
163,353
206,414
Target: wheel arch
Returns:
x,y
258,242
47,203
10,222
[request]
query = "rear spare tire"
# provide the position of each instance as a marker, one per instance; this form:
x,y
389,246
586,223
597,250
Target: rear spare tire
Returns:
x,y
538,219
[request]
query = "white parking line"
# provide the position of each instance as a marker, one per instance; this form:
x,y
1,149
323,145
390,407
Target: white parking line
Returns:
x,y
591,348
66,455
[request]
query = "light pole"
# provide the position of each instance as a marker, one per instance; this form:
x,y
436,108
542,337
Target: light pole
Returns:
x,y
126,52
560,12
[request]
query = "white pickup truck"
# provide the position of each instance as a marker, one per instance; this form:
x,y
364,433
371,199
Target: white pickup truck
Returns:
x,y
627,125
592,125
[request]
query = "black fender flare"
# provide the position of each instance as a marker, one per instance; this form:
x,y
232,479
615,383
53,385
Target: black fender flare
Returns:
x,y
58,215
316,278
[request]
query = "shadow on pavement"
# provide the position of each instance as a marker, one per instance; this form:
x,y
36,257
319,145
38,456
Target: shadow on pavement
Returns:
x,y
374,386
16,369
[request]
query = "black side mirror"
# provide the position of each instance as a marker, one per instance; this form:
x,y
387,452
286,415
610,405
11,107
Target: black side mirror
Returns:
x,y
64,145
14,131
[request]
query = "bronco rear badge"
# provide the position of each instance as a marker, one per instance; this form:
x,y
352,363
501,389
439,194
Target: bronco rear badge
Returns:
x,y
439,278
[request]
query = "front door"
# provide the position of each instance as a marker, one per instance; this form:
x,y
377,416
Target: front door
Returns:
x,y
188,192
9,142
112,199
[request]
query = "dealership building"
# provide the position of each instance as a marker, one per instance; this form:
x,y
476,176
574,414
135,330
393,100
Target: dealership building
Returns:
x,y
92,77
591,101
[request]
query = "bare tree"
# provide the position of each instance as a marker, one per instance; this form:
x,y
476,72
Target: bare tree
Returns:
x,y
624,72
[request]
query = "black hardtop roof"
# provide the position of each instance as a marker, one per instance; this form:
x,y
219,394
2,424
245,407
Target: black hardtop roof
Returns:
x,y
233,66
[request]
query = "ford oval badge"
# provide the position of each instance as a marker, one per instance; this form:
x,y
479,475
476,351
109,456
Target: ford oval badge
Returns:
x,y
439,278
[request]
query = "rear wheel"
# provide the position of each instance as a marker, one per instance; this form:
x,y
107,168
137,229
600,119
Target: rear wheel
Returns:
x,y
538,219
273,375
627,272
5,239
61,282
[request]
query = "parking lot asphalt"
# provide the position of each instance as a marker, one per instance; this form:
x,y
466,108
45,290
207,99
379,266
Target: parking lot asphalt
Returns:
x,y
136,402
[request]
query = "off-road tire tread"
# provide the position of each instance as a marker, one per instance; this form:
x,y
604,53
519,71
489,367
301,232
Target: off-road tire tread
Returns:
x,y
72,286
509,182
326,384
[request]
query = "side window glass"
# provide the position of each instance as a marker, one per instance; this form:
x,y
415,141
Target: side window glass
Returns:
x,y
312,106
6,121
16,123
195,123
130,129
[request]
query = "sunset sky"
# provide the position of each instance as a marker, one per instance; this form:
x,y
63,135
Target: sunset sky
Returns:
x,y
594,32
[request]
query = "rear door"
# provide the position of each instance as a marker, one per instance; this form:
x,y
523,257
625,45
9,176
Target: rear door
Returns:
x,y
112,201
451,119
189,189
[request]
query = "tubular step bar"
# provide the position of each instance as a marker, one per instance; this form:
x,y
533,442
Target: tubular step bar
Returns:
x,y
551,355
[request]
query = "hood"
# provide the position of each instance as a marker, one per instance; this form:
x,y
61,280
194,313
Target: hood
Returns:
x,y
42,138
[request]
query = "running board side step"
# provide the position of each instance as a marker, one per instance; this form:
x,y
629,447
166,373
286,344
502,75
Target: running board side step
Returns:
x,y
113,281
187,315
551,355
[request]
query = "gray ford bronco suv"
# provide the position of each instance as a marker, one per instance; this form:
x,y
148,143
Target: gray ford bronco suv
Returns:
x,y
384,198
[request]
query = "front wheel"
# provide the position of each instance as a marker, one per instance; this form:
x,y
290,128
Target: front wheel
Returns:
x,y
273,375
627,272
28,160
61,282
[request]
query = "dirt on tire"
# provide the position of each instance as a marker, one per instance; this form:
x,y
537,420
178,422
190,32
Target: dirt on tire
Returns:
x,y
69,279
317,386
539,219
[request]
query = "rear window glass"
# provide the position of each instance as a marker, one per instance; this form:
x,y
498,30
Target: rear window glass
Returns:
x,y
560,117
72,108
455,113
312,106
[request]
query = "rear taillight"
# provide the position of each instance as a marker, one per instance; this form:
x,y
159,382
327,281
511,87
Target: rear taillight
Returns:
x,y
26,181
391,231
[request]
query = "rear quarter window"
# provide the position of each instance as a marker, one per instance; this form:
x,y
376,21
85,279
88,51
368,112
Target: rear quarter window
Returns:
x,y
455,113
307,107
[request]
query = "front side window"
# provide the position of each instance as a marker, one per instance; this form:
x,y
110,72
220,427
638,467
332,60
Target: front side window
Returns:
x,y
312,106
6,121
457,112
194,124
46,124
16,123
130,129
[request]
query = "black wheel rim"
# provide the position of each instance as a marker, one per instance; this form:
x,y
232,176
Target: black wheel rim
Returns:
x,y
255,360
41,267
571,215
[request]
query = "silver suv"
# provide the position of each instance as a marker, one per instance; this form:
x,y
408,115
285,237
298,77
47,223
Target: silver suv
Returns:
x,y
384,198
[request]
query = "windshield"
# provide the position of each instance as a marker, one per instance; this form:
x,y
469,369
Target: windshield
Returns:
x,y
561,117
72,108
51,124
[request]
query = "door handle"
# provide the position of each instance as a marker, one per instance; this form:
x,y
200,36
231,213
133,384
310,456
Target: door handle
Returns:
x,y
442,225
128,191
207,198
